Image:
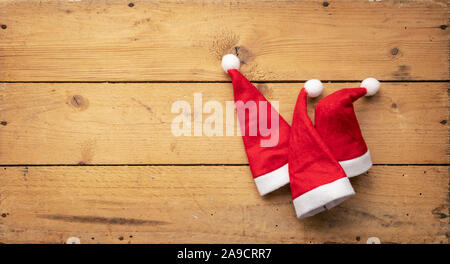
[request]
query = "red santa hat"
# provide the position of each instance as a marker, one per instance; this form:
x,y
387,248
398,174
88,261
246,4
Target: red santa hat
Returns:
x,y
336,122
268,161
317,181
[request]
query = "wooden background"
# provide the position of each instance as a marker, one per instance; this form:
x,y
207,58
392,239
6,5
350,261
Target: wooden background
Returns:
x,y
86,89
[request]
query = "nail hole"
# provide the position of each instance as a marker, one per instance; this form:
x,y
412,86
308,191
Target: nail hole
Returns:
x,y
394,51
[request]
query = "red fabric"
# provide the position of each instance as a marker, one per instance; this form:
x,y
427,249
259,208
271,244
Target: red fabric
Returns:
x,y
261,160
311,163
336,122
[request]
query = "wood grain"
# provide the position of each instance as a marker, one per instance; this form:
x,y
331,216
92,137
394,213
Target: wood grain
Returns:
x,y
131,123
213,204
184,40
155,48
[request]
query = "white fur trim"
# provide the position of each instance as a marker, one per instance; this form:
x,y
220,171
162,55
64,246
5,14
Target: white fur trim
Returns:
x,y
357,166
372,86
273,180
230,61
313,87
323,197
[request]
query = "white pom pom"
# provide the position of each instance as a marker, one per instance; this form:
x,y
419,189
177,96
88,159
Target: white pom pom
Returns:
x,y
372,86
313,87
230,61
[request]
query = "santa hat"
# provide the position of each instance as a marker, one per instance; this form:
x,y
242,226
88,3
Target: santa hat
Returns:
x,y
317,181
268,161
336,122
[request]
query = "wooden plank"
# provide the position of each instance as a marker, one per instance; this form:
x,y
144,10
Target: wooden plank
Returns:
x,y
131,123
213,204
184,40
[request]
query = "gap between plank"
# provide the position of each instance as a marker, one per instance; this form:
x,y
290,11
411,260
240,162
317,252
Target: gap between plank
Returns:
x,y
254,81
188,165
